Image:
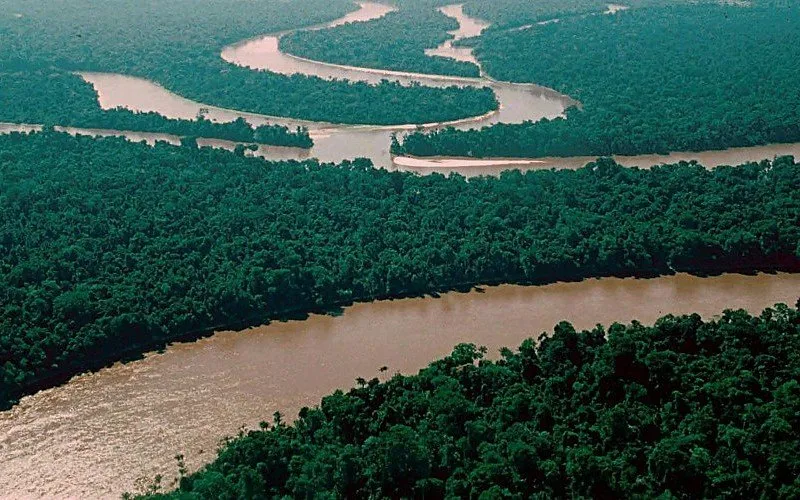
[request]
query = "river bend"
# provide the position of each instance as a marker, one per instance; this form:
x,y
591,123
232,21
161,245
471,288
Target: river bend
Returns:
x,y
334,143
96,435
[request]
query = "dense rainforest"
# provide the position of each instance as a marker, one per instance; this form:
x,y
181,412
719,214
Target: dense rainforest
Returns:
x,y
515,13
399,40
53,97
510,14
681,409
154,42
396,42
649,80
110,248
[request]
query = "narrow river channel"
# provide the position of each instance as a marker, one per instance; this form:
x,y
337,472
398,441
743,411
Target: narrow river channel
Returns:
x,y
335,142
96,435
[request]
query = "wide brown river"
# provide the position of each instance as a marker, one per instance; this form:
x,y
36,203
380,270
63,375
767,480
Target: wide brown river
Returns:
x,y
94,436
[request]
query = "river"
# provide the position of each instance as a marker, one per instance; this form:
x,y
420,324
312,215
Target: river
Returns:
x,y
96,435
471,167
467,28
335,142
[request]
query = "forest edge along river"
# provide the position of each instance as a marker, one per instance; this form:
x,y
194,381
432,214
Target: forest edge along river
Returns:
x,y
334,142
99,433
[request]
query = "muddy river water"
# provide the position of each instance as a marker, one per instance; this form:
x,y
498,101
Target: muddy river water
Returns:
x,y
96,435
336,142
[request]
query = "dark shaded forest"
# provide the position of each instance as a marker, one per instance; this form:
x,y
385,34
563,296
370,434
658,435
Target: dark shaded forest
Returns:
x,y
395,42
681,409
153,42
109,248
53,97
649,80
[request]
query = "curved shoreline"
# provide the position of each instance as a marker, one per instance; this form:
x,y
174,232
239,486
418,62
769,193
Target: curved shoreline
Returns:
x,y
220,114
333,142
127,421
336,142
178,107
465,81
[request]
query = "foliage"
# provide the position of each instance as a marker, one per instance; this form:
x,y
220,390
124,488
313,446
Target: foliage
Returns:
x,y
62,98
109,248
177,43
513,13
684,78
682,409
508,14
395,42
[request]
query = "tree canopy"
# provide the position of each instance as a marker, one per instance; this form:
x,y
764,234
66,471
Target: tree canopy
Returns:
x,y
109,248
52,97
681,409
649,80
177,43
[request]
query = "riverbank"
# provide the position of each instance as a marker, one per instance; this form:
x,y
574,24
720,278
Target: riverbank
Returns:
x,y
471,167
273,153
295,263
129,420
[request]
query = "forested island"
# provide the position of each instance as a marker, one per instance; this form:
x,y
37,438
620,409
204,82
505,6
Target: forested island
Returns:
x,y
681,409
398,40
53,97
649,80
110,248
153,42
395,42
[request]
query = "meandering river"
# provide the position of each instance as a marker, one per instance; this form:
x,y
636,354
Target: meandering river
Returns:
x,y
336,142
467,28
94,436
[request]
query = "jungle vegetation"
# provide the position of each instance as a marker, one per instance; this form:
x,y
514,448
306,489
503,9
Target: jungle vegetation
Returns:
x,y
649,80
52,97
505,14
110,248
395,42
681,409
398,41
153,42
510,14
